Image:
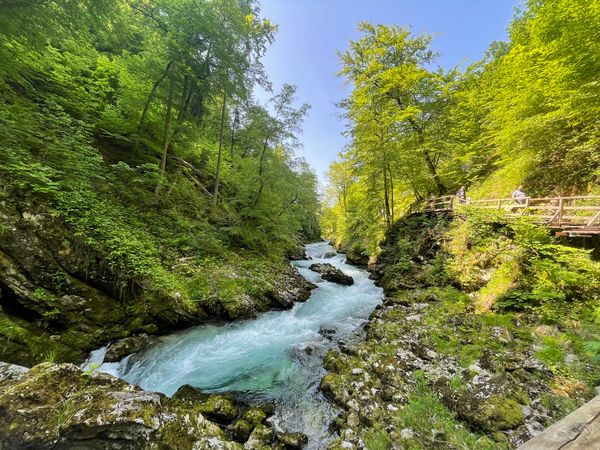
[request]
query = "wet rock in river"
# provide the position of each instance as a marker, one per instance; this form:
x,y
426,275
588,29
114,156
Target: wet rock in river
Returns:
x,y
332,273
260,437
293,440
123,347
357,257
218,407
327,333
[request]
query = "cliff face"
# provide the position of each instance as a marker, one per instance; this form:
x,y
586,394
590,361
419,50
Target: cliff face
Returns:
x,y
59,302
59,299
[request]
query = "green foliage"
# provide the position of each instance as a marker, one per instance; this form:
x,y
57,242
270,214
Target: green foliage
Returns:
x,y
518,266
85,142
593,349
525,114
427,417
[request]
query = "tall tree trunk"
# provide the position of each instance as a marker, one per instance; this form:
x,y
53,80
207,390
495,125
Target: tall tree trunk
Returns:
x,y
218,172
391,192
233,130
147,107
184,103
166,135
386,196
432,170
261,169
431,166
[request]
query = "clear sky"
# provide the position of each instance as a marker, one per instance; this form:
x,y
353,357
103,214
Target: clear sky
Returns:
x,y
310,32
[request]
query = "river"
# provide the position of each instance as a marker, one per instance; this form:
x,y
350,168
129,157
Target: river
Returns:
x,y
276,357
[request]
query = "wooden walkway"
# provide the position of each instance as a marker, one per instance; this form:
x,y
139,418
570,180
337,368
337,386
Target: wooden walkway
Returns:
x,y
580,430
565,216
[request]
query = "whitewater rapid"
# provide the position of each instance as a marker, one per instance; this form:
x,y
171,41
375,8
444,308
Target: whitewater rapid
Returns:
x,y
276,357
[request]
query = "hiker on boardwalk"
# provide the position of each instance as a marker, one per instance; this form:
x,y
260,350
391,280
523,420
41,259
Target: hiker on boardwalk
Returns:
x,y
432,202
519,195
462,195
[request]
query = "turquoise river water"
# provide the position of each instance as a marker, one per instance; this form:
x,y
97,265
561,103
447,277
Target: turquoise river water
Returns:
x,y
276,357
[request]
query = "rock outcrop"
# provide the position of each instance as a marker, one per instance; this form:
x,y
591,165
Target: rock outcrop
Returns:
x,y
331,273
431,372
59,300
118,350
61,407
357,257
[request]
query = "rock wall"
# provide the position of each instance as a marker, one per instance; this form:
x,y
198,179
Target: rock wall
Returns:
x,y
58,300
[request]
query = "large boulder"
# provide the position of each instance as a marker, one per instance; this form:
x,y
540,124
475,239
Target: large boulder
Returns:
x,y
124,347
357,257
290,289
332,273
218,407
293,440
61,407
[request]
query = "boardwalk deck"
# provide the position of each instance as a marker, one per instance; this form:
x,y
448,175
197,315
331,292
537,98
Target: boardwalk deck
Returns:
x,y
580,430
565,216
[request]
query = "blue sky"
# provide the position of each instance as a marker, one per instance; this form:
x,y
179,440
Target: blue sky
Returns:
x,y
310,32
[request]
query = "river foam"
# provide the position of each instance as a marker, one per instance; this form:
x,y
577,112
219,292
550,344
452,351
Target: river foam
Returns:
x,y
276,357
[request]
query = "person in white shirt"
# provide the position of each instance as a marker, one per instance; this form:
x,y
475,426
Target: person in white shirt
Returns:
x,y
519,195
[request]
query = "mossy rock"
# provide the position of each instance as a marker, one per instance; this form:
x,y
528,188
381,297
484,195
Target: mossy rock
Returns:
x,y
254,415
497,413
293,440
59,406
260,438
241,430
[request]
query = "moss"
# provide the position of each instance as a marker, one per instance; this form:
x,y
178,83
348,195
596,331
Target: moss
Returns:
x,y
254,415
423,413
241,430
376,438
500,413
59,402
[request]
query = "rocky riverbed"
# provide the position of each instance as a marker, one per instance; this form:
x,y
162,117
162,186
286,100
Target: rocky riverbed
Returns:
x,y
435,373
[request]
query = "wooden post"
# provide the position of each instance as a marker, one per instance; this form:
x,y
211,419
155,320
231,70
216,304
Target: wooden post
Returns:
x,y
560,210
499,204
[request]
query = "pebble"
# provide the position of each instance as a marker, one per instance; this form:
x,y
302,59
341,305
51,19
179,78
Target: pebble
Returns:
x,y
407,433
357,371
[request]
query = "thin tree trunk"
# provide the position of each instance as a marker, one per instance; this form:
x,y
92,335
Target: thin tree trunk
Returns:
x,y
260,173
233,130
147,107
429,161
218,173
391,192
184,102
166,135
386,196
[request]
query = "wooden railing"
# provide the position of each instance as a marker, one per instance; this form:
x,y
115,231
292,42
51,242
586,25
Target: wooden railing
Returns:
x,y
568,214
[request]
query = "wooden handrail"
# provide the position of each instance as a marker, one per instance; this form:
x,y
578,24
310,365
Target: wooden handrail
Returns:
x,y
552,211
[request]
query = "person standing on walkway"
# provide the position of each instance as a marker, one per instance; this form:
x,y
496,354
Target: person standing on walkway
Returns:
x,y
462,195
519,195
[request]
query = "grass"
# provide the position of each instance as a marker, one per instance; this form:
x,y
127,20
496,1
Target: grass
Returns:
x,y
433,424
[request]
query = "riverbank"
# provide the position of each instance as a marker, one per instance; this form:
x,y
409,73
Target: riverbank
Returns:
x,y
62,295
450,361
272,365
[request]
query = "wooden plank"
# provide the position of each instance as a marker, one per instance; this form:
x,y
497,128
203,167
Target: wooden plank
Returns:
x,y
578,431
